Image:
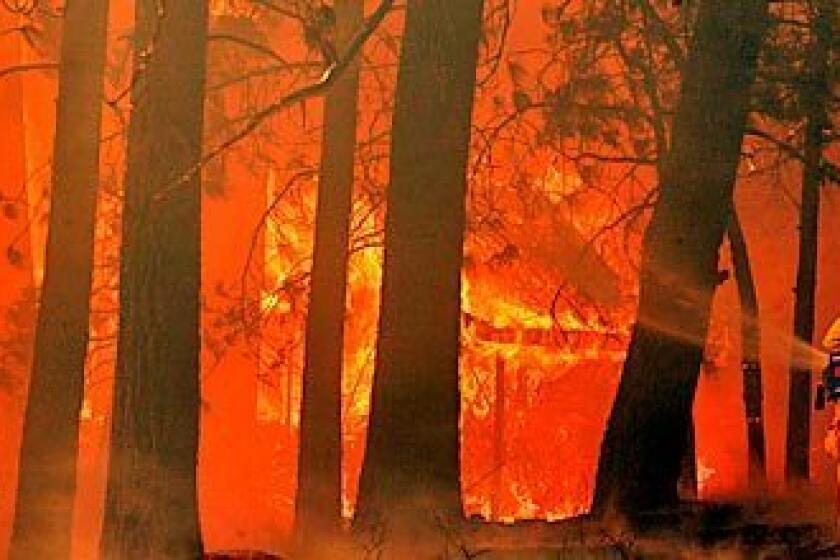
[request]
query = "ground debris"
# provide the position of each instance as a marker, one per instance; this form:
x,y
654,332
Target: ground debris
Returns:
x,y
242,555
696,531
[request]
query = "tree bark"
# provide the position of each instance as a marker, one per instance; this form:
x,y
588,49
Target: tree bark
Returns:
x,y
151,504
814,97
646,436
750,354
411,472
47,476
319,501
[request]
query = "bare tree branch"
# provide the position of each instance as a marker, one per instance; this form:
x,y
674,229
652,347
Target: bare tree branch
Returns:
x,y
20,68
318,88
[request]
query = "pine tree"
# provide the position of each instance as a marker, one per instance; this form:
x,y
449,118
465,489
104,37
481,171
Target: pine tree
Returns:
x,y
646,435
47,475
151,506
411,473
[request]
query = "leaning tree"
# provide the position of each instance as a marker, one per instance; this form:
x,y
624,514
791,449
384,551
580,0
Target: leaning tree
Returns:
x,y
646,435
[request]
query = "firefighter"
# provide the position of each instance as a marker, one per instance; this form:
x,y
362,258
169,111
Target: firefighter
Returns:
x,y
829,390
831,342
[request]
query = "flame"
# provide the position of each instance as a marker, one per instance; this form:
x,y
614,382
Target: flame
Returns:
x,y
705,474
547,378
561,183
499,311
535,347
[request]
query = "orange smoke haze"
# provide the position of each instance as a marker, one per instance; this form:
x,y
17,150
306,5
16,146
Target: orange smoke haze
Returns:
x,y
542,342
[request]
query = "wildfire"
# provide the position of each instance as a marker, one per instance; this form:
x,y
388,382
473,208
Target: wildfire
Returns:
x,y
503,326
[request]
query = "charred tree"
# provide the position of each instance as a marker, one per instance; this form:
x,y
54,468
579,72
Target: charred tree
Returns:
x,y
47,475
750,354
151,506
814,97
319,502
411,471
646,436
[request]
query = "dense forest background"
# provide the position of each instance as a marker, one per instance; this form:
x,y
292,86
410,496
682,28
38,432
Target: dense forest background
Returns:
x,y
268,264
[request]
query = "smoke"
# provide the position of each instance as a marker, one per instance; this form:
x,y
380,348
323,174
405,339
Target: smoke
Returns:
x,y
692,300
804,355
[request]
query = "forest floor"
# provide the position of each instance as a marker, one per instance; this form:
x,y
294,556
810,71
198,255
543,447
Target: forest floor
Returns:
x,y
710,531
698,531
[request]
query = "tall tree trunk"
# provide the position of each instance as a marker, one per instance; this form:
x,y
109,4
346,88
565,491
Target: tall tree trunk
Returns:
x,y
151,505
319,502
750,354
645,439
412,469
814,98
47,479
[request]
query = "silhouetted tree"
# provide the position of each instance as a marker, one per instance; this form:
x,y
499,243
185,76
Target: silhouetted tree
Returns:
x,y
750,353
411,471
47,479
319,501
151,506
815,94
646,435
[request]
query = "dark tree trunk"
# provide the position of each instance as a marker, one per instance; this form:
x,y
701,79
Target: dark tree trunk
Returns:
x,y
750,354
687,484
499,447
412,469
645,439
47,480
319,503
151,504
814,98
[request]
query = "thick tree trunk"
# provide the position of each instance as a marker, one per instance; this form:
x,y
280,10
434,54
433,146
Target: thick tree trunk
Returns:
x,y
645,439
412,469
151,506
814,98
47,479
750,354
319,502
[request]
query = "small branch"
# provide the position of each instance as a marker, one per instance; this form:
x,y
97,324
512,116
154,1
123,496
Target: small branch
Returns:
x,y
248,44
20,68
831,171
318,88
